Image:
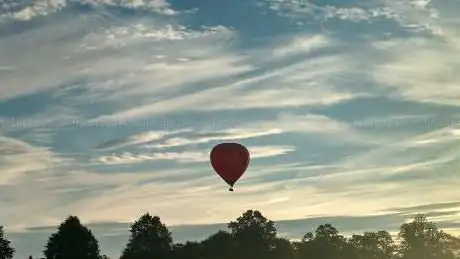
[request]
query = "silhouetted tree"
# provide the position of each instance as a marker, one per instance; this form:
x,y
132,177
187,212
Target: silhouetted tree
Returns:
x,y
254,235
220,245
149,239
189,250
373,245
283,249
325,243
6,251
72,241
421,239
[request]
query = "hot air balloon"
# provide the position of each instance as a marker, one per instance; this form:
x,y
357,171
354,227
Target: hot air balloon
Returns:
x,y
230,161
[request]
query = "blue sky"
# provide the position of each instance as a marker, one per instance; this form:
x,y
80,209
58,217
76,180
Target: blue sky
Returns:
x,y
109,109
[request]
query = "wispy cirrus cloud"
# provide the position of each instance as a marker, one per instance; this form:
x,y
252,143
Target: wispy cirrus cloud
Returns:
x,y
284,123
26,10
143,138
408,14
189,156
302,44
86,55
230,134
406,71
416,80
285,87
19,160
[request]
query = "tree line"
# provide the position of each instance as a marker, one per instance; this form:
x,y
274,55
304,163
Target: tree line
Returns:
x,y
252,236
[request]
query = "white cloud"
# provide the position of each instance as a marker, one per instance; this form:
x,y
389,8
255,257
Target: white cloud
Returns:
x,y
189,156
413,15
129,199
27,172
413,68
300,197
109,60
159,6
142,138
129,158
318,125
287,97
24,12
123,36
18,160
302,9
446,135
349,190
302,44
313,124
27,10
305,83
56,187
230,134
269,151
339,191
421,72
51,118
419,159
423,69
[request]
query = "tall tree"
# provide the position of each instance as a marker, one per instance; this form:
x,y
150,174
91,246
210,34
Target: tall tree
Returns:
x,y
189,250
325,243
254,235
149,239
421,239
6,251
374,245
72,241
283,249
220,245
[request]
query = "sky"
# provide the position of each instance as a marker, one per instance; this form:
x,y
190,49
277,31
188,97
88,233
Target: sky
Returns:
x,y
109,109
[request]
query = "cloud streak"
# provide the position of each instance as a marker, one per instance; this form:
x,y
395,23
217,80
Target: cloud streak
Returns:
x,y
142,138
26,11
277,87
188,157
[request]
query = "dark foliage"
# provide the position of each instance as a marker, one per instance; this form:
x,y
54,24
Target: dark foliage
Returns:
x,y
6,251
149,239
421,239
253,236
72,241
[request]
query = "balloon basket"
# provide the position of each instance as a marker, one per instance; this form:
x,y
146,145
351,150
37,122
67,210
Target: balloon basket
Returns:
x,y
231,189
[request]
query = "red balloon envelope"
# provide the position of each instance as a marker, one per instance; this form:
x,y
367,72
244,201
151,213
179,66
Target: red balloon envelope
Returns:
x,y
230,161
